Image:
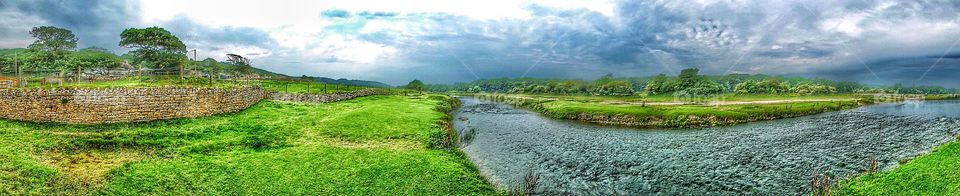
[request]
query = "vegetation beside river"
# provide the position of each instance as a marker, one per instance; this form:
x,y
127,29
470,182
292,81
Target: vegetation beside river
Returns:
x,y
662,113
936,173
369,145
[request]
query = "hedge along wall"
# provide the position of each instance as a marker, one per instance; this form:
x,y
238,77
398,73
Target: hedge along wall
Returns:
x,y
115,105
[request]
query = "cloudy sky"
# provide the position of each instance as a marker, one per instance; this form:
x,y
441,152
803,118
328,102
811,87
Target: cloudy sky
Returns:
x,y
445,41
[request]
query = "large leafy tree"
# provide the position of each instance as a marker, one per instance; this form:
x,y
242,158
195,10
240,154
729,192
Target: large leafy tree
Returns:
x,y
52,44
242,64
155,45
415,85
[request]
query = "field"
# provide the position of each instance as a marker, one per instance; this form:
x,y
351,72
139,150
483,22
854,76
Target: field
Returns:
x,y
661,111
158,81
936,173
671,98
372,145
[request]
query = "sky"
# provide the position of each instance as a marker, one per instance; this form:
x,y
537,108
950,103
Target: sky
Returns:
x,y
879,42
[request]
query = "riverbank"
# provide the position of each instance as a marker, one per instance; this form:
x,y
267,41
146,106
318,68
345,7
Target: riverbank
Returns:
x,y
369,145
776,157
935,173
661,112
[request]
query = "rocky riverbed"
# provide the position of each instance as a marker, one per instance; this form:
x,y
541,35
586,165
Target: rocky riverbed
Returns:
x,y
776,157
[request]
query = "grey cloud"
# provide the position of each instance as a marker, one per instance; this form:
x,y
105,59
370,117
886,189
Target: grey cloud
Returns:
x,y
579,43
95,22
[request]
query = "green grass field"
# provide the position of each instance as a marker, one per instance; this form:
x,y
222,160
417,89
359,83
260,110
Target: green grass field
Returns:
x,y
628,111
378,145
158,81
671,98
937,173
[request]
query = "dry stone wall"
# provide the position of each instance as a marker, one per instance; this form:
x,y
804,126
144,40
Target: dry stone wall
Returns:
x,y
115,105
324,98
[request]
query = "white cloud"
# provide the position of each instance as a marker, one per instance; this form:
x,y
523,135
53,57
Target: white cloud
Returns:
x,y
344,49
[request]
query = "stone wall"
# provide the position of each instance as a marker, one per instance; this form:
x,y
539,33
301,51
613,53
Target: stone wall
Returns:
x,y
324,98
115,105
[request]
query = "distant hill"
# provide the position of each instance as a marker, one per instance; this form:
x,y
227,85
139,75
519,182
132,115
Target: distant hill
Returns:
x,y
352,82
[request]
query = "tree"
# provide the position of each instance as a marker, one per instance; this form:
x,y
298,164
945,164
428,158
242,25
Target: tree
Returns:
x,y
96,58
415,85
52,44
242,64
53,40
155,45
688,78
214,68
658,85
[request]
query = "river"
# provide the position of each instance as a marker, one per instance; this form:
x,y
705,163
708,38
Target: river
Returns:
x,y
777,157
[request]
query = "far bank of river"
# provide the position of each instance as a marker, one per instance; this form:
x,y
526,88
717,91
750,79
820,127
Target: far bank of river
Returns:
x,y
776,157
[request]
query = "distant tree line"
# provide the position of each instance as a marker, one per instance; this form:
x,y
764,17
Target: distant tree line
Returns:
x,y
688,82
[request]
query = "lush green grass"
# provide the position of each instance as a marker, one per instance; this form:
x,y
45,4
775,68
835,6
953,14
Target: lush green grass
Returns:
x,y
306,87
704,115
158,81
616,112
942,97
937,173
371,145
670,98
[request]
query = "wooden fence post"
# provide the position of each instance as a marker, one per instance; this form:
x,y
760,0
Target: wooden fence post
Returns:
x,y
78,75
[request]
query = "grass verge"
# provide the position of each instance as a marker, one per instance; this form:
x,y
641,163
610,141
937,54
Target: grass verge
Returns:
x,y
658,116
936,173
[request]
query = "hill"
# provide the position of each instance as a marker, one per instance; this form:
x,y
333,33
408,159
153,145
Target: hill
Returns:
x,y
349,82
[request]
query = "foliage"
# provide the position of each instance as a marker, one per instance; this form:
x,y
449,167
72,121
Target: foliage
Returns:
x,y
415,85
810,89
932,174
53,41
94,58
762,87
687,115
154,45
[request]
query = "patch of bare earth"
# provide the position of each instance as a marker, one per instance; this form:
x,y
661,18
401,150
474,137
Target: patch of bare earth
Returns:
x,y
88,168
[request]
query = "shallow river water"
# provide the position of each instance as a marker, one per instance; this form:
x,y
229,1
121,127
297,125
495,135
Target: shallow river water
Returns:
x,y
776,157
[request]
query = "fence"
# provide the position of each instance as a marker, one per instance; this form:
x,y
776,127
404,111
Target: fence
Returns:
x,y
101,77
60,77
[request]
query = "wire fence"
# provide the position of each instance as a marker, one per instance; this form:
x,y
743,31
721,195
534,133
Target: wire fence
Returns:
x,y
101,77
55,77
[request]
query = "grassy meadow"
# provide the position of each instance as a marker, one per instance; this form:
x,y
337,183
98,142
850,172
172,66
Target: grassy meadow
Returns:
x,y
377,145
936,173
159,81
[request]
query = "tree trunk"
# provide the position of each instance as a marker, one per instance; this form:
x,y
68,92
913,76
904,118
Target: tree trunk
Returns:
x,y
210,76
19,76
78,75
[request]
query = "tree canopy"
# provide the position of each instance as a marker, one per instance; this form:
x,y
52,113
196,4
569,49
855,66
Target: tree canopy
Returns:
x,y
415,85
155,45
53,40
